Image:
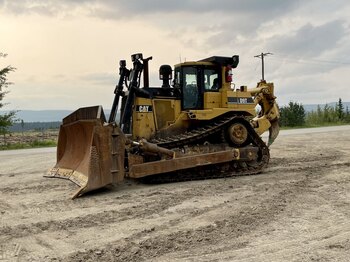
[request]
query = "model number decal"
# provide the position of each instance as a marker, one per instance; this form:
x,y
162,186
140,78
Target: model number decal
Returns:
x,y
143,108
240,100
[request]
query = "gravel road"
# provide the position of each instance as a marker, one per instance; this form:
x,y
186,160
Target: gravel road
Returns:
x,y
297,210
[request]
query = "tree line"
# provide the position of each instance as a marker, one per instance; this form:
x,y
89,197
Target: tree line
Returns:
x,y
294,114
34,126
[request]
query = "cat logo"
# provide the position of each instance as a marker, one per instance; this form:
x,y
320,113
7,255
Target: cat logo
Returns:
x,y
143,108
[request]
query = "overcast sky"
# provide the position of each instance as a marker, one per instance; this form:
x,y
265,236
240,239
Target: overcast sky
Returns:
x,y
67,52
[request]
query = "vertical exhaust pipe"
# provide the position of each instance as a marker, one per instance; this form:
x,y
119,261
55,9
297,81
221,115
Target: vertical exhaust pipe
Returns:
x,y
146,71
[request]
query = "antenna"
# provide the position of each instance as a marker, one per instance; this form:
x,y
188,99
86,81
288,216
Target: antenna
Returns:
x,y
261,56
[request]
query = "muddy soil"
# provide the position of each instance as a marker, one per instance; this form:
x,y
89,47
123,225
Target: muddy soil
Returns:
x,y
297,210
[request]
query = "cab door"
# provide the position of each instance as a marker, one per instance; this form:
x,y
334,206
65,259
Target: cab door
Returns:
x,y
192,93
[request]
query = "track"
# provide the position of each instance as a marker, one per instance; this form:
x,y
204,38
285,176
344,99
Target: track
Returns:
x,y
213,171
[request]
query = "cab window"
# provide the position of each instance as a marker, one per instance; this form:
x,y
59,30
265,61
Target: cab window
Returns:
x,y
190,88
211,80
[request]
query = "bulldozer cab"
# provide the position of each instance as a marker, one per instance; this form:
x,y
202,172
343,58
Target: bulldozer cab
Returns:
x,y
194,79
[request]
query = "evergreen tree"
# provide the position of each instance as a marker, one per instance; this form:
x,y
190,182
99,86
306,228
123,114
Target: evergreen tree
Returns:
x,y
292,115
347,115
328,115
7,119
340,110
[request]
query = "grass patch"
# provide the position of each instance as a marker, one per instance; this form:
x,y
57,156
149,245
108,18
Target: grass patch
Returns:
x,y
34,144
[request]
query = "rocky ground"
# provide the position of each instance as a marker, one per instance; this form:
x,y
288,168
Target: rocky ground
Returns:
x,y
297,210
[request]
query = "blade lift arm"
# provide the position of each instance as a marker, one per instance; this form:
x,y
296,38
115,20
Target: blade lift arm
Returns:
x,y
134,84
140,65
118,91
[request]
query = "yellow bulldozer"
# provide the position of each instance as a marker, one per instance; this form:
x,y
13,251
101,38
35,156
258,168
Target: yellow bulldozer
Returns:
x,y
196,125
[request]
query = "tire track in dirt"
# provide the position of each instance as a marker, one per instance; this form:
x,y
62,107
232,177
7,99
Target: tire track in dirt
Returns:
x,y
33,188
103,218
322,202
77,234
14,179
270,252
250,218
307,165
243,223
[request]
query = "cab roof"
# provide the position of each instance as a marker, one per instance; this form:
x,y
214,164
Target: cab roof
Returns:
x,y
214,60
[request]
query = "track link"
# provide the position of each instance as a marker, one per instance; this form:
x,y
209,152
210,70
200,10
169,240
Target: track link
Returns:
x,y
228,169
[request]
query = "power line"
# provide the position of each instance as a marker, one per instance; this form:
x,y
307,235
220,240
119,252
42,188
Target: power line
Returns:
x,y
261,56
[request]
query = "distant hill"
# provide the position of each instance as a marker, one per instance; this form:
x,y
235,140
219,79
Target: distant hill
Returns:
x,y
34,126
41,115
29,116
313,107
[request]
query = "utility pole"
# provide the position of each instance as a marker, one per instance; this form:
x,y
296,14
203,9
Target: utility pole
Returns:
x,y
261,56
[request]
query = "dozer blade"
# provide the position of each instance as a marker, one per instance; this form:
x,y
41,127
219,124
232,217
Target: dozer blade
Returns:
x,y
90,152
273,131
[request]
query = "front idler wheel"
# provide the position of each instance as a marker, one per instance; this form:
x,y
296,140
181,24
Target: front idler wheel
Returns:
x,y
237,135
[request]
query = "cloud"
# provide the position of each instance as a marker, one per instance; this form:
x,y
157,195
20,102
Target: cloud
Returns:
x,y
73,46
132,8
201,23
49,8
309,40
199,6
